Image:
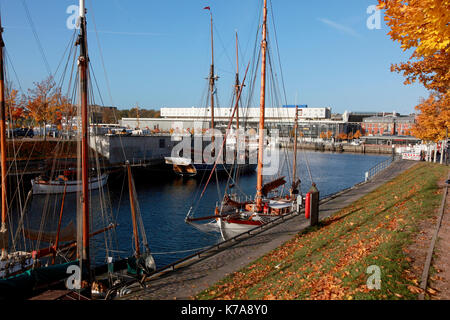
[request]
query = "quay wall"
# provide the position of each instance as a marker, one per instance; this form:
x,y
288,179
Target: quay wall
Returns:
x,y
377,149
136,149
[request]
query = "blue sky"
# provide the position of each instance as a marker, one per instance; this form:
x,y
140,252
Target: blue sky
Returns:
x,y
157,53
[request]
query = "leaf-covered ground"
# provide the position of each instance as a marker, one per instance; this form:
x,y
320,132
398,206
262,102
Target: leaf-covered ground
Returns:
x,y
331,261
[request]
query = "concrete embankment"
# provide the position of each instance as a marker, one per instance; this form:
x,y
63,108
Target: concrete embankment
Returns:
x,y
364,148
198,274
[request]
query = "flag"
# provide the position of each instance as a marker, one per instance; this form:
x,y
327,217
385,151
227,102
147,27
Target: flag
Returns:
x,y
207,8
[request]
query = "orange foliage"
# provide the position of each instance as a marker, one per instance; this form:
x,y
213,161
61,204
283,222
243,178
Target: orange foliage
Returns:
x,y
15,111
422,25
47,105
342,136
434,117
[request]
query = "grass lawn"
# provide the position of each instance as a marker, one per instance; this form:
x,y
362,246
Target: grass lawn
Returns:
x,y
331,261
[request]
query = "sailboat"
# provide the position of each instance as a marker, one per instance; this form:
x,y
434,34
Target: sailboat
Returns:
x,y
11,263
93,281
66,182
263,208
186,165
234,217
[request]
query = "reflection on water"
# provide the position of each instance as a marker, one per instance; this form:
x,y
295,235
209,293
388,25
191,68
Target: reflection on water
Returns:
x,y
165,201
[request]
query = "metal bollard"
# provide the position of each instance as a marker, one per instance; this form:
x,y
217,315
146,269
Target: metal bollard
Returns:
x,y
314,215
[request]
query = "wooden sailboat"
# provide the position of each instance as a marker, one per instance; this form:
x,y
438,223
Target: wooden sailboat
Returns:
x,y
66,182
263,208
139,263
235,217
11,263
94,280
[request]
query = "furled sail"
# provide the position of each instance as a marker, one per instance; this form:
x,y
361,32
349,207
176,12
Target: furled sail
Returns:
x,y
273,185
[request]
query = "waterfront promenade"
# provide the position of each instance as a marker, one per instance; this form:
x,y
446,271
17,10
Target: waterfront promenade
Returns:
x,y
199,274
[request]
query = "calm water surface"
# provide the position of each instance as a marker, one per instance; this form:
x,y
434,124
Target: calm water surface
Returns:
x,y
165,201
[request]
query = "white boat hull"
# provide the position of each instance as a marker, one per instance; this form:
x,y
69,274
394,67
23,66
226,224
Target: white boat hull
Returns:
x,y
230,229
15,263
54,187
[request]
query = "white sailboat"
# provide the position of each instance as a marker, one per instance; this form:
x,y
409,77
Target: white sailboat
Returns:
x,y
234,217
263,208
62,184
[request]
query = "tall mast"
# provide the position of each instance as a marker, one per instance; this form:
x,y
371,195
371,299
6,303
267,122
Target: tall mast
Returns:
x,y
133,212
237,87
294,164
237,84
259,183
3,230
83,61
212,80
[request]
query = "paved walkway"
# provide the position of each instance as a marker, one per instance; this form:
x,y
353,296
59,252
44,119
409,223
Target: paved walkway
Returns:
x,y
191,279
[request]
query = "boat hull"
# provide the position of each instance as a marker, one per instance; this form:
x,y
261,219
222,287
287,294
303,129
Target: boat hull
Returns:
x,y
15,263
185,167
232,228
55,187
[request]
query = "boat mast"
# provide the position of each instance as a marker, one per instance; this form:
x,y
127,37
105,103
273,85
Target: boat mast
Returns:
x,y
294,164
83,61
237,84
133,212
237,87
3,230
212,79
259,183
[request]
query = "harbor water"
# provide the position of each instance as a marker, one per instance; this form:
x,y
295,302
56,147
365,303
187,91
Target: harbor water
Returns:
x,y
165,200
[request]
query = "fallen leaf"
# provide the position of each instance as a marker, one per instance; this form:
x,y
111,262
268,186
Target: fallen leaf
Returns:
x,y
432,291
414,289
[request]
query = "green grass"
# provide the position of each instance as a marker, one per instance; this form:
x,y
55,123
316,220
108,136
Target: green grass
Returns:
x,y
330,261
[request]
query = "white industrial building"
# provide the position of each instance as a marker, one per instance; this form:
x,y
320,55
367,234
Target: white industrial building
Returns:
x,y
284,114
312,121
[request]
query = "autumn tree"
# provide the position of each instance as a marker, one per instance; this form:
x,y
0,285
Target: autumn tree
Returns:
x,y
44,103
434,116
422,26
350,136
110,115
323,135
342,136
14,106
329,134
357,134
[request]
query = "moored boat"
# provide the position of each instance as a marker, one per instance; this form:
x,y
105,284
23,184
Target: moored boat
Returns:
x,y
272,200
43,185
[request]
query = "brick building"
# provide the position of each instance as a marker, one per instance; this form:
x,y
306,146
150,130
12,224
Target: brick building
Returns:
x,y
388,125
